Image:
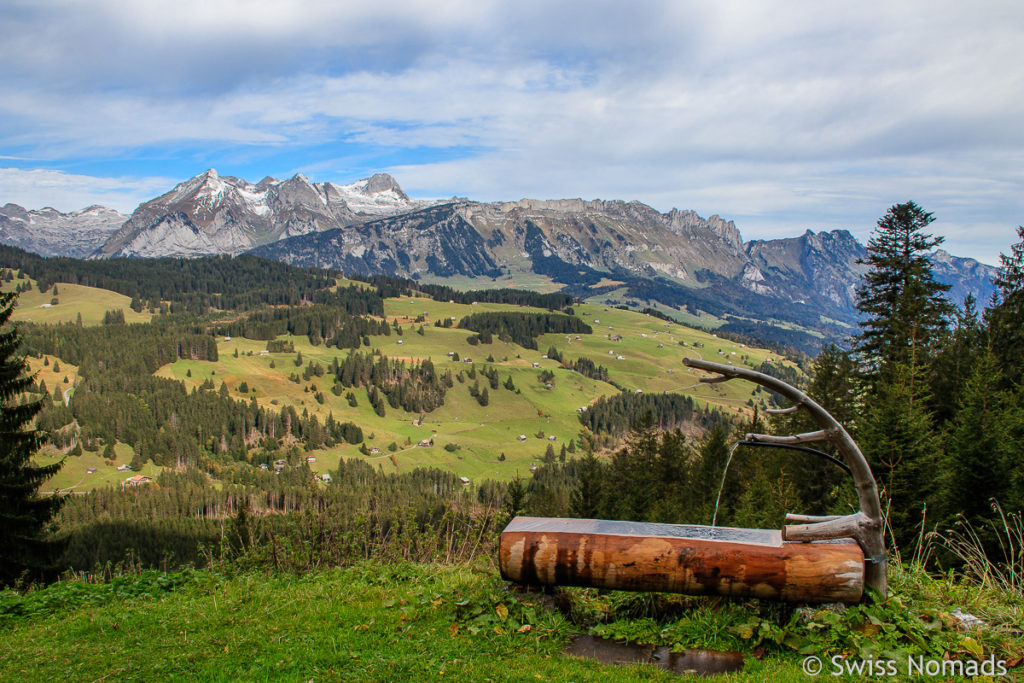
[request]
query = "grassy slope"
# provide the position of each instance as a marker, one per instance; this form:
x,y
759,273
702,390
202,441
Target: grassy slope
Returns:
x,y
90,302
482,433
366,623
74,475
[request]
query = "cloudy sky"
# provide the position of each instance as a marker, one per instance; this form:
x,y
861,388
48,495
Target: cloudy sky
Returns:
x,y
782,116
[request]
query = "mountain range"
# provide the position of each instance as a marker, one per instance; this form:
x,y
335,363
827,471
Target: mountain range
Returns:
x,y
800,290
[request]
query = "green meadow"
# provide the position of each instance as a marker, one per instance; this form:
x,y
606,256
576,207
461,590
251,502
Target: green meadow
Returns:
x,y
75,475
641,352
72,300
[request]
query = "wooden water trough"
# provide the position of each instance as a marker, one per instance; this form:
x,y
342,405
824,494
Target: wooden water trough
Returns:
x,y
811,559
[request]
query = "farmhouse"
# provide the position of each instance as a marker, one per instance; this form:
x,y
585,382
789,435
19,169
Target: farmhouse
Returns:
x,y
424,443
137,480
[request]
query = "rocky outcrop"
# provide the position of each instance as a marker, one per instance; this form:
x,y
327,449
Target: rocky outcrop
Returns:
x,y
51,233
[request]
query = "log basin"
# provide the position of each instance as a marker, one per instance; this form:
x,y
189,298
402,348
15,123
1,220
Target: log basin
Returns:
x,y
676,558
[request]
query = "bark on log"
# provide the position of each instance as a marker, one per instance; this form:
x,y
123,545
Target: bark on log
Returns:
x,y
695,560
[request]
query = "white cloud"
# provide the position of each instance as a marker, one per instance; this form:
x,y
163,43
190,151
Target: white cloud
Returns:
x,y
66,192
810,115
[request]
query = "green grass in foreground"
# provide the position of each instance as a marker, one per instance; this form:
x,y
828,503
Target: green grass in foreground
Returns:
x,y
404,622
367,623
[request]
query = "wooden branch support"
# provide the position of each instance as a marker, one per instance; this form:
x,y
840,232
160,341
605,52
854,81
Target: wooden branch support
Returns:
x,y
782,411
812,559
866,527
809,437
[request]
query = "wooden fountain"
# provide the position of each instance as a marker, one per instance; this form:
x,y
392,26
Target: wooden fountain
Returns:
x,y
811,559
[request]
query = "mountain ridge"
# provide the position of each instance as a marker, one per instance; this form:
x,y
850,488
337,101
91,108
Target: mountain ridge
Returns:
x,y
615,250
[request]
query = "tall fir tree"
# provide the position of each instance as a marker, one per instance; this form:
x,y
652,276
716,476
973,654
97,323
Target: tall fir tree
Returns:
x,y
24,513
905,318
903,305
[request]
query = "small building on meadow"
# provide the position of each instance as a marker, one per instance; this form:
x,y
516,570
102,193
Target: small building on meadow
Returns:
x,y
424,443
136,481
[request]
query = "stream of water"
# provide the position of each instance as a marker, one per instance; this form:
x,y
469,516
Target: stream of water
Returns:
x,y
721,485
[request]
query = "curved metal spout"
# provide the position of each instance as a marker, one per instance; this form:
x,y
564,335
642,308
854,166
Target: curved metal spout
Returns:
x,y
866,526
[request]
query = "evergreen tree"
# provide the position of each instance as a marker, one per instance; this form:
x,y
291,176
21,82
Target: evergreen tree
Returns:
x,y
954,360
900,442
980,452
902,302
835,386
24,514
586,497
1006,318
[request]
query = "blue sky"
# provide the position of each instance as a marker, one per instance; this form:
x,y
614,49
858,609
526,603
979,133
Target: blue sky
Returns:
x,y
780,116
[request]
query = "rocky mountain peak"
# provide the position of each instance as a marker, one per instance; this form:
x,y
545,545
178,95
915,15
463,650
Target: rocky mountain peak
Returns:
x,y
211,213
382,182
689,223
726,230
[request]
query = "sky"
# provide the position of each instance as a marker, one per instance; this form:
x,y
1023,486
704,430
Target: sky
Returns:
x,y
780,116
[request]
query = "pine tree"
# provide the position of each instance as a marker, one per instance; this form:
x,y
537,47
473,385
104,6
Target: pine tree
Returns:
x,y
954,360
900,442
835,387
24,514
902,302
1006,318
980,451
586,498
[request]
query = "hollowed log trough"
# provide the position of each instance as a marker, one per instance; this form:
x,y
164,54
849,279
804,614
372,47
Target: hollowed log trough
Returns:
x,y
815,559
675,558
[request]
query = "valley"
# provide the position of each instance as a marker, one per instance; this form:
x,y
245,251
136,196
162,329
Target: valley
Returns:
x,y
642,353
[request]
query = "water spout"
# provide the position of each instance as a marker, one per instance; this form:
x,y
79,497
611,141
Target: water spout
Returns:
x,y
721,485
